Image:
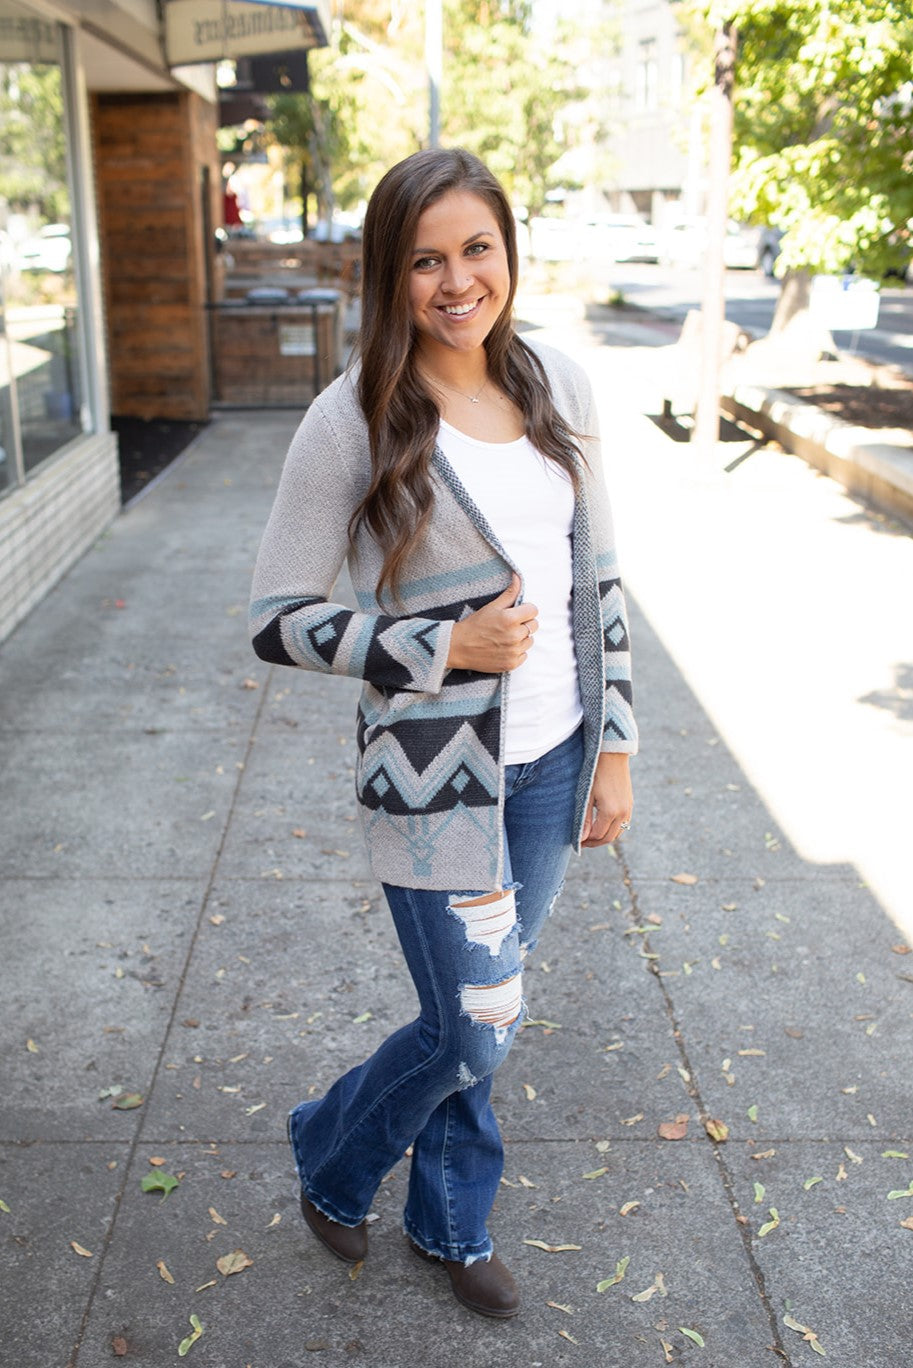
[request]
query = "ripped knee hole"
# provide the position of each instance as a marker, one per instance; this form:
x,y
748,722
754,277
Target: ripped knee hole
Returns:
x,y
489,919
494,1004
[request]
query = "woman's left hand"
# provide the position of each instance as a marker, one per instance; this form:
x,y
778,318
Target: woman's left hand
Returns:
x,y
610,803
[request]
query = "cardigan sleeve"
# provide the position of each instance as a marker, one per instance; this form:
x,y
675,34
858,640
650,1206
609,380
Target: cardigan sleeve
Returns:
x,y
293,620
619,731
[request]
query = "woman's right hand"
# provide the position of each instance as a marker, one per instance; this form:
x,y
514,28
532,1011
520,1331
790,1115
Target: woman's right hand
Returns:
x,y
494,638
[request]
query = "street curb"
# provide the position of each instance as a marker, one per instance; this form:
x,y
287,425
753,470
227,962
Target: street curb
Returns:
x,y
879,471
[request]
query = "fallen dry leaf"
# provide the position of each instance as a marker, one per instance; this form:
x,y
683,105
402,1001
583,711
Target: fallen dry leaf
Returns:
x,y
628,1208
559,1306
163,1272
299,832
674,1130
566,1335
684,878
78,1249
908,1223
617,1277
355,1270
156,1160
32,1047
530,1092
632,1120
764,1154
552,1248
901,949
119,1346
236,1262
717,1130
214,1216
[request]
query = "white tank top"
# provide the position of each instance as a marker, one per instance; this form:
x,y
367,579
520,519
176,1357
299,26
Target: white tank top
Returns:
x,y
528,501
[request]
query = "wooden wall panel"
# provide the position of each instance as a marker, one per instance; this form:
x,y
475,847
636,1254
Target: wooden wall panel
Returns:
x,y
155,163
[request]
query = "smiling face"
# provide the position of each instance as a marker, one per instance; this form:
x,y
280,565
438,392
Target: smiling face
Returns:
x,y
459,278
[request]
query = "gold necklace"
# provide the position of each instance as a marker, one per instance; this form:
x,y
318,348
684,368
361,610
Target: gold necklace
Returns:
x,y
473,398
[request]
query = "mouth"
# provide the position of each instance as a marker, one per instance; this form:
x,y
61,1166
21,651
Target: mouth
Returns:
x,y
457,311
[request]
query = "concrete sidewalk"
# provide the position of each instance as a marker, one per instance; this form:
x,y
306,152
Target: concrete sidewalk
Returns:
x,y
188,917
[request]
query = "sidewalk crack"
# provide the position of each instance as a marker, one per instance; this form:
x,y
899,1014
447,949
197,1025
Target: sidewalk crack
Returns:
x,y
694,1093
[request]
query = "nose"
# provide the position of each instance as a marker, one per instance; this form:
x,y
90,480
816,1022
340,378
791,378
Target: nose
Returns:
x,y
457,278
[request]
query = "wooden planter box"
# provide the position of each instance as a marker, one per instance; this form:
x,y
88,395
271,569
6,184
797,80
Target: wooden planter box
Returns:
x,y
275,353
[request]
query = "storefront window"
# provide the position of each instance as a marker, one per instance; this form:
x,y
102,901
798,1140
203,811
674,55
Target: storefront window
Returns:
x,y
41,399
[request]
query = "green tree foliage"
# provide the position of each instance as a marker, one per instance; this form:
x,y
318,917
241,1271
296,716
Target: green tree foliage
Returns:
x,y
33,156
824,127
504,87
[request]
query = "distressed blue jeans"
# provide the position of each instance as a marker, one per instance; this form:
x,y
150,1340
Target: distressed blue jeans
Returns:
x,y
428,1085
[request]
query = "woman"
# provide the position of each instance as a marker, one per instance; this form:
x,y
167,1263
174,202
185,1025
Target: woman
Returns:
x,y
457,468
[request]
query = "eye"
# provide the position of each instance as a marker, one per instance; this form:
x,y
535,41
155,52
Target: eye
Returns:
x,y
477,248
426,263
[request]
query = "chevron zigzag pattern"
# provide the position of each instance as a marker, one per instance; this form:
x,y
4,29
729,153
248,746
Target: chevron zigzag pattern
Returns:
x,y
462,771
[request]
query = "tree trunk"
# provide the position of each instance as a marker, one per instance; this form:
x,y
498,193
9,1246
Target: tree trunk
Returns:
x,y
305,192
794,298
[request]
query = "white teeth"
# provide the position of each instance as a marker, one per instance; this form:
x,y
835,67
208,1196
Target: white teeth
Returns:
x,y
458,309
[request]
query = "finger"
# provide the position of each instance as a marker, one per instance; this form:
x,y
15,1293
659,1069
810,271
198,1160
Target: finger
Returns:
x,y
508,597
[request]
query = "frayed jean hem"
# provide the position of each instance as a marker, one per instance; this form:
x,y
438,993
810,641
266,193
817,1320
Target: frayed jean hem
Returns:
x,y
452,1253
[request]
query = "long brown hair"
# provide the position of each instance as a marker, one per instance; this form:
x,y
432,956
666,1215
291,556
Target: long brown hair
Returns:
x,y
401,413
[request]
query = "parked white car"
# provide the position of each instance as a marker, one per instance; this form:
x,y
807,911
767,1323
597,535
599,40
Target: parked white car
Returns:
x,y
48,250
619,237
746,247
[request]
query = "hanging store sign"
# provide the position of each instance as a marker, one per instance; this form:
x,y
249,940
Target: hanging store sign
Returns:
x,y
211,30
28,39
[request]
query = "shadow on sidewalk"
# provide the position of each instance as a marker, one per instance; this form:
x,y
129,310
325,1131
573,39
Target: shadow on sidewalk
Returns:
x,y
189,917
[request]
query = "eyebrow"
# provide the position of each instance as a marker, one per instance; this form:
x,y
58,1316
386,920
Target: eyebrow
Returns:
x,y
430,251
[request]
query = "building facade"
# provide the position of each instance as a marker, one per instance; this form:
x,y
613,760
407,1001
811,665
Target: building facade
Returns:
x,y
110,194
653,134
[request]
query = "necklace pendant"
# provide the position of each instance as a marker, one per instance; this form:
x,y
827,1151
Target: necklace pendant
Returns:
x,y
475,400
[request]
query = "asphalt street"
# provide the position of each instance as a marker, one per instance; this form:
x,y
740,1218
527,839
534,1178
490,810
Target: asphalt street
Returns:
x,y
707,1120
751,300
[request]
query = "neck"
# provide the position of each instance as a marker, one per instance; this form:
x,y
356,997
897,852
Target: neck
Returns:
x,y
461,370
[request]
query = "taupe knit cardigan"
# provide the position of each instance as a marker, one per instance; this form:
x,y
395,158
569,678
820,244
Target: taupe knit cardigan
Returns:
x,y
430,773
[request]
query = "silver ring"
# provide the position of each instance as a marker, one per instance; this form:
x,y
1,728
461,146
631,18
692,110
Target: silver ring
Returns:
x,y
626,826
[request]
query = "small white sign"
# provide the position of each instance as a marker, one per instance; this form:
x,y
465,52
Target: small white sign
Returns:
x,y
844,303
296,339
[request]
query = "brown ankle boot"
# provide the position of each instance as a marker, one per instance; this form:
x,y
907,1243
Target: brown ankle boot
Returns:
x,y
349,1243
485,1286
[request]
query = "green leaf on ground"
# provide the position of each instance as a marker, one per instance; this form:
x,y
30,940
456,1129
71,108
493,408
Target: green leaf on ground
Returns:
x,y
4,1207
752,1112
187,1344
159,1182
900,1192
127,1101
620,1269
810,1182
808,1335
770,1225
692,1335
759,1190
894,1154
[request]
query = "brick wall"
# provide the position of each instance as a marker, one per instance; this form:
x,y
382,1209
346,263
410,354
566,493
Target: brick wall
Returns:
x,y
48,524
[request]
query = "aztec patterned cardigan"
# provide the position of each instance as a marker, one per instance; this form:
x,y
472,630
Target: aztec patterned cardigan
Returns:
x,y
430,772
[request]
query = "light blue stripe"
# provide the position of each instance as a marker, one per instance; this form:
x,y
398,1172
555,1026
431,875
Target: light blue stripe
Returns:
x,y
359,650
448,579
437,707
274,603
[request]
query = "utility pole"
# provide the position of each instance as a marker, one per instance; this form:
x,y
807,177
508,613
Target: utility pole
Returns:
x,y
434,63
713,312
